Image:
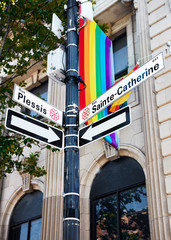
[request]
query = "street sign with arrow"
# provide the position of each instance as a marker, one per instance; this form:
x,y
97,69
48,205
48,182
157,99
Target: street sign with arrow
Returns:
x,y
33,128
104,126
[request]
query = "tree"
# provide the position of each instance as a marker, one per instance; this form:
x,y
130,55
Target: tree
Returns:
x,y
25,39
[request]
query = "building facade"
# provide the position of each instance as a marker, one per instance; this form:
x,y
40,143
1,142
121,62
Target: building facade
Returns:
x,y
130,187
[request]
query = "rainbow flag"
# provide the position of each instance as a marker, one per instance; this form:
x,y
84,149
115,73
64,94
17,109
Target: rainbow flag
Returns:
x,y
121,102
95,68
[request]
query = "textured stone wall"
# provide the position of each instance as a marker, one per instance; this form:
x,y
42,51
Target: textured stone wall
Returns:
x,y
159,15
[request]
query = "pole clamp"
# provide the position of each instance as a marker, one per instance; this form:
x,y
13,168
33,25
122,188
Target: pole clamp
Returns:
x,y
71,219
72,44
71,29
71,135
71,125
72,70
71,111
71,147
73,105
71,193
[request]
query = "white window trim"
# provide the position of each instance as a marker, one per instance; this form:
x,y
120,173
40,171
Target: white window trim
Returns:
x,y
127,23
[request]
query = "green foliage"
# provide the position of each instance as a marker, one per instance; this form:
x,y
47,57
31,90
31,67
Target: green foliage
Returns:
x,y
25,39
30,165
11,154
24,33
104,26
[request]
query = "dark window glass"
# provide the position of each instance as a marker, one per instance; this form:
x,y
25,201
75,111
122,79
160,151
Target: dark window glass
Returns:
x,y
106,218
119,202
134,214
115,175
25,222
19,232
120,55
42,92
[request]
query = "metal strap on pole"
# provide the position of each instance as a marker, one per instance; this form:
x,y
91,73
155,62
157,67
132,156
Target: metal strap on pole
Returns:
x,y
71,193
69,218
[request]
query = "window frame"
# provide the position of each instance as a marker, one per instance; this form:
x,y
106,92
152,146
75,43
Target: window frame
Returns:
x,y
124,71
29,225
127,24
93,209
28,111
114,178
37,197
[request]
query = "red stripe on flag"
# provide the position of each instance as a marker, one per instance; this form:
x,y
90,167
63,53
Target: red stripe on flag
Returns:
x,y
81,64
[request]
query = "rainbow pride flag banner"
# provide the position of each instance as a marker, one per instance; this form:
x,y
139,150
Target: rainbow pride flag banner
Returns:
x,y
122,102
96,68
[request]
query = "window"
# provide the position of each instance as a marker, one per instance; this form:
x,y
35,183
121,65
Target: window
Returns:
x,y
42,92
25,222
119,202
120,55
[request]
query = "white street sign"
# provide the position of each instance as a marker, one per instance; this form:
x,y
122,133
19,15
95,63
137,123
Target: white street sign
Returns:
x,y
105,126
33,128
57,27
121,88
36,104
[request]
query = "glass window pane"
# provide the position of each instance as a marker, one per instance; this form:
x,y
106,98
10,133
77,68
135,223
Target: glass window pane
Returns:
x,y
19,232
106,218
29,207
42,92
24,231
120,56
35,231
134,214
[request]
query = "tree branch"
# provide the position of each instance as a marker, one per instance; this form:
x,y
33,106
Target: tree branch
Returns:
x,y
17,75
7,31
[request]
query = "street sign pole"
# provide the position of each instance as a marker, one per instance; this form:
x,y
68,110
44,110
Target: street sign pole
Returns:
x,y
71,202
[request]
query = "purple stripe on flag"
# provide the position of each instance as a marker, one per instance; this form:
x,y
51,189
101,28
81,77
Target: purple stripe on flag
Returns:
x,y
108,64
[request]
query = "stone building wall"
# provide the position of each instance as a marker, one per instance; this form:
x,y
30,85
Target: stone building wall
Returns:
x,y
159,17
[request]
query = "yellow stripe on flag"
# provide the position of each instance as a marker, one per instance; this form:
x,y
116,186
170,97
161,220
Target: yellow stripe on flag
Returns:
x,y
92,64
119,101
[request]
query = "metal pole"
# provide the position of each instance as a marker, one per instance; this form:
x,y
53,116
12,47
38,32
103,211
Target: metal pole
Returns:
x,y
71,214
